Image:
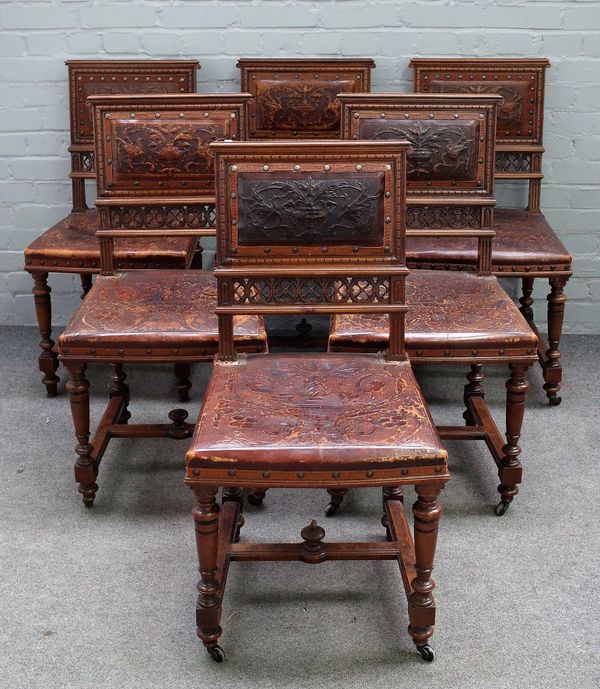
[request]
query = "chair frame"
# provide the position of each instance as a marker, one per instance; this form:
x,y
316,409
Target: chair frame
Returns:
x,y
518,158
239,266
134,75
438,196
129,208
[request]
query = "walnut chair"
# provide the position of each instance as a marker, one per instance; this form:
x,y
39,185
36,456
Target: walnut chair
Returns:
x,y
71,246
525,246
313,227
454,317
153,164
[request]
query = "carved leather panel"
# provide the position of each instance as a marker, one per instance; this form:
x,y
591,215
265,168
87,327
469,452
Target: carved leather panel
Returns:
x,y
147,153
441,315
160,308
307,104
440,149
522,238
328,409
72,243
310,210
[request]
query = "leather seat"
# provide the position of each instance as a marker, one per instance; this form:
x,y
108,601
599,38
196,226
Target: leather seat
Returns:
x,y
72,244
522,238
319,411
154,313
449,310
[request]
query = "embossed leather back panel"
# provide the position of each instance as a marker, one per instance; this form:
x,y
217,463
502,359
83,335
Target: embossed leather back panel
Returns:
x,y
299,97
311,209
108,77
159,144
451,138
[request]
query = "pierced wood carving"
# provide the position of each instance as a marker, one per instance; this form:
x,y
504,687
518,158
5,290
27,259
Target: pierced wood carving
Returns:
x,y
455,217
513,162
148,217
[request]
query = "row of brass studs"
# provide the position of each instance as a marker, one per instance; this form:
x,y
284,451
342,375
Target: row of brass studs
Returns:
x,y
297,168
334,474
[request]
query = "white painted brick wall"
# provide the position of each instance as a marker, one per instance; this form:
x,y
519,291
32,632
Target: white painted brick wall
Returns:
x,y
37,36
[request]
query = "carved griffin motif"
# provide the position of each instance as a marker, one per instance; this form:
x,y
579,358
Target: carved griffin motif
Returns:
x,y
300,106
312,210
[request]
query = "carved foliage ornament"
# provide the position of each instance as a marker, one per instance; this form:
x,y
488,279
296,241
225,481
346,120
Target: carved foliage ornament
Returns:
x,y
439,150
310,210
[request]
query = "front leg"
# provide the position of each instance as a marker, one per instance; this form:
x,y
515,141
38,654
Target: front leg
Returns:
x,y
210,595
510,471
421,604
556,312
48,360
85,469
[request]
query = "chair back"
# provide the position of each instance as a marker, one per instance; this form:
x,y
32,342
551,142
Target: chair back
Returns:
x,y
103,77
297,97
450,167
310,227
155,172
520,82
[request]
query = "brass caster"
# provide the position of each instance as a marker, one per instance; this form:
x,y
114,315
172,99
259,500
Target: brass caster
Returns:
x,y
254,500
554,401
501,508
125,416
216,653
426,652
88,502
331,509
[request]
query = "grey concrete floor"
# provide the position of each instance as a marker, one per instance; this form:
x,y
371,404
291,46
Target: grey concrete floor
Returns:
x,y
105,597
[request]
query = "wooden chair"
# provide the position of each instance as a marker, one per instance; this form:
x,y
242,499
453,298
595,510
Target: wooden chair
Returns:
x,y
153,166
313,227
455,317
525,246
71,245
297,97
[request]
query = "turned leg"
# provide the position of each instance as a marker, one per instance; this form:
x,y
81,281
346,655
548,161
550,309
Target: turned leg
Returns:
x,y
85,470
556,312
119,388
208,609
48,361
336,498
473,388
236,495
526,300
256,496
390,493
510,470
421,605
86,283
183,383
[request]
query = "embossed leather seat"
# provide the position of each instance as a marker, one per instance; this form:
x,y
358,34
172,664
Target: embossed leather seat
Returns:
x,y
523,239
441,317
317,411
168,312
72,243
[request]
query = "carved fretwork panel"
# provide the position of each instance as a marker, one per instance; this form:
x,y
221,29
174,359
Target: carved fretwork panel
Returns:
x,y
513,162
299,97
314,290
310,210
108,77
438,217
440,150
519,82
157,217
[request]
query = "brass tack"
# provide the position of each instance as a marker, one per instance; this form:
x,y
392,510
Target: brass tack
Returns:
x,y
195,472
530,351
65,350
475,352
455,115
326,168
234,222
419,352
387,249
234,168
265,168
267,249
335,474
355,137
175,351
382,115
294,249
266,474
297,168
501,352
233,195
370,474
388,194
136,183
157,115
181,115
233,250
355,249
148,351
161,184
324,249
231,472
404,472
481,116
300,474
388,219
93,351
406,115
446,352
438,470
120,352
205,115
131,114
109,161
359,167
